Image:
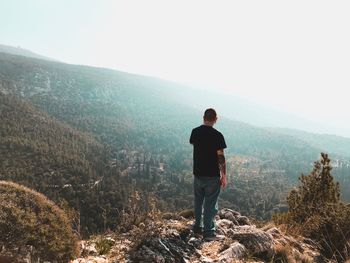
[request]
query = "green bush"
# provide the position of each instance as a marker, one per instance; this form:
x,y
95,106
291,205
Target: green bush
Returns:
x,y
103,246
316,211
29,218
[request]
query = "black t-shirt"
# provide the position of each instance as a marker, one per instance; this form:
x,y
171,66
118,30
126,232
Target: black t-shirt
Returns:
x,y
206,141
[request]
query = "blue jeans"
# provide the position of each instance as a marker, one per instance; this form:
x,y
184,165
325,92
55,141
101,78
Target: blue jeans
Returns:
x,y
206,190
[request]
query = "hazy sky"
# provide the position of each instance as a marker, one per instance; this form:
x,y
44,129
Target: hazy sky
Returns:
x,y
294,55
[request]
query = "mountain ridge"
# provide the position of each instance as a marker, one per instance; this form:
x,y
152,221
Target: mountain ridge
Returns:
x,y
23,52
334,144
231,106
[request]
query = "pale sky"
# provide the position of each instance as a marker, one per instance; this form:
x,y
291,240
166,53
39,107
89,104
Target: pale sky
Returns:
x,y
293,55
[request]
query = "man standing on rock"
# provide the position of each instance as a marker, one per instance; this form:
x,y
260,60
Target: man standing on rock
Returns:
x,y
209,171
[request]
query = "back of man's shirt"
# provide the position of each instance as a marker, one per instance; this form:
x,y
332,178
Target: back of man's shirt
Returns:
x,y
206,141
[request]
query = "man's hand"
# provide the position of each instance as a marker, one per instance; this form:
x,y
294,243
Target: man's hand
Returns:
x,y
223,180
222,166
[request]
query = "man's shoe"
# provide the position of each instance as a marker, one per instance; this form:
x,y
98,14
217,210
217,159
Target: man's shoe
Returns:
x,y
213,237
197,230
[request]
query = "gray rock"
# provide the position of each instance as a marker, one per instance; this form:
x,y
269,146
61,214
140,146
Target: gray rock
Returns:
x,y
204,259
225,210
88,248
235,251
167,216
222,225
195,242
243,220
172,232
235,213
275,232
225,223
230,216
97,259
233,216
257,242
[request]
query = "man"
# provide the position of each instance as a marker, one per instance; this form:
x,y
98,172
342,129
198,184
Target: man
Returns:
x,y
209,171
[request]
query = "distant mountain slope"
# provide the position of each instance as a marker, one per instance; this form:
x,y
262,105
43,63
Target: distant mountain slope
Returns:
x,y
22,52
333,144
45,154
228,105
38,150
242,109
126,109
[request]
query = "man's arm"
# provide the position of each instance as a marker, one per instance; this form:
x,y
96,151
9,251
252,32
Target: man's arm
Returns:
x,y
222,166
192,138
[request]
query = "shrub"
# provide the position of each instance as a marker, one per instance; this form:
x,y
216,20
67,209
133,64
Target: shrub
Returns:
x,y
140,208
104,245
141,219
316,211
29,218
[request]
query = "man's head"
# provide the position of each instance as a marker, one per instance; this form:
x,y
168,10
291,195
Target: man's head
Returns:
x,y
210,117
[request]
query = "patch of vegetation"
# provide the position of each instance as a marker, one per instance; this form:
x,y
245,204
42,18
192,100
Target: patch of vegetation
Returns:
x,y
286,254
141,219
103,246
29,218
315,211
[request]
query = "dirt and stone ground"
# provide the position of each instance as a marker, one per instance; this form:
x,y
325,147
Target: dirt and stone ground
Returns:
x,y
171,240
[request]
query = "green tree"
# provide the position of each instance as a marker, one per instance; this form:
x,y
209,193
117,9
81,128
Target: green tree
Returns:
x,y
316,191
316,210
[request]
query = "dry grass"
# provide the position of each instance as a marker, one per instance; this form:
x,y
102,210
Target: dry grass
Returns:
x,y
286,254
292,230
267,226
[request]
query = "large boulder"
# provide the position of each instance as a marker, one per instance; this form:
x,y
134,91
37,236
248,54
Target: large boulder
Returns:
x,y
235,251
243,220
223,225
258,242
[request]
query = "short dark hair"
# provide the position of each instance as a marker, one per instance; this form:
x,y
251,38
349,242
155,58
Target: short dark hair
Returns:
x,y
210,114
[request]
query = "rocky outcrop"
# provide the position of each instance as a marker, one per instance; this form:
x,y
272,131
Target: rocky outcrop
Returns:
x,y
257,242
175,242
235,251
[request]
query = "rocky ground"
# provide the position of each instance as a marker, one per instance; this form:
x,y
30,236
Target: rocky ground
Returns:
x,y
170,239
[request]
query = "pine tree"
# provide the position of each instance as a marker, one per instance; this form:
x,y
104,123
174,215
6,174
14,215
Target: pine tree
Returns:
x,y
316,192
315,208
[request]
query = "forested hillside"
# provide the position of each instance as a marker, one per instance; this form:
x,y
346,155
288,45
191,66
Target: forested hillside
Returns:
x,y
337,146
42,150
333,144
107,133
45,154
122,108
